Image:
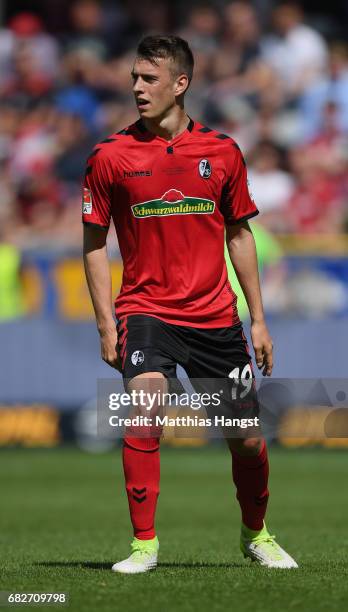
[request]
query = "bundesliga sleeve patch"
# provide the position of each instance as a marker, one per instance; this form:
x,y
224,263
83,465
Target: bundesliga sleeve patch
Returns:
x,y
87,201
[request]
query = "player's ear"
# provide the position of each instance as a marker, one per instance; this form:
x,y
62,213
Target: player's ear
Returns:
x,y
181,84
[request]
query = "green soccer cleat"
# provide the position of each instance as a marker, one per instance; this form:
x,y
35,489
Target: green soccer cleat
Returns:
x,y
143,557
260,546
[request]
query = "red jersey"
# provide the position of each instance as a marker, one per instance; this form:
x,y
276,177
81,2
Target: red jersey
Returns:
x,y
170,202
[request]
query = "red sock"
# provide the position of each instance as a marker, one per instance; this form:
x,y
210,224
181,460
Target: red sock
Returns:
x,y
141,464
250,475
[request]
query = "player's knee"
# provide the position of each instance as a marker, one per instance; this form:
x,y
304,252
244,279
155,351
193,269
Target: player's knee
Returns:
x,y
246,446
252,446
148,390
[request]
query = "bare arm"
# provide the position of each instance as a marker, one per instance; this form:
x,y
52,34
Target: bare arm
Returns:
x,y
98,278
242,251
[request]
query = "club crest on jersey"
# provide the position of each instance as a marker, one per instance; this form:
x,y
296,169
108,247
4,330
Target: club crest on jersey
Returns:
x,y
204,168
87,201
173,202
137,358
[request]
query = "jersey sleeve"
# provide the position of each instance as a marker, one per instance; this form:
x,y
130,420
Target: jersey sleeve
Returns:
x,y
97,192
237,204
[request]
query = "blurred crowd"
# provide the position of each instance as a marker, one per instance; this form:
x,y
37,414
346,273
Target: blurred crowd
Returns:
x,y
273,81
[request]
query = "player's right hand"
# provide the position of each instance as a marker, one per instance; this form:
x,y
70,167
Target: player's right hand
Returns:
x,y
108,344
263,347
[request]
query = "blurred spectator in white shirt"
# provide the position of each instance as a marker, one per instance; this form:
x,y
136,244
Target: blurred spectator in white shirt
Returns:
x,y
26,33
297,53
330,88
271,186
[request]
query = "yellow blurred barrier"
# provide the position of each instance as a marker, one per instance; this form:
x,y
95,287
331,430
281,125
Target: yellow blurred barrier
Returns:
x,y
37,425
319,425
73,297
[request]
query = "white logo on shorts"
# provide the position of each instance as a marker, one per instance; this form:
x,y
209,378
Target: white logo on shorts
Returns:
x,y
137,358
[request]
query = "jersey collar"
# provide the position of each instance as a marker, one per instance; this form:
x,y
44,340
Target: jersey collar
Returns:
x,y
143,130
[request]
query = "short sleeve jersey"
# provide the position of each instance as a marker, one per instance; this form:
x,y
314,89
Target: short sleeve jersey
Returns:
x,y
170,202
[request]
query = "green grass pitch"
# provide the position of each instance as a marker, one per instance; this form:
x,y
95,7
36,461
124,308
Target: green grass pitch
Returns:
x,y
64,521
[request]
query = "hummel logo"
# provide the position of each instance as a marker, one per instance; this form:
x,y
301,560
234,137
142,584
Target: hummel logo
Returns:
x,y
134,173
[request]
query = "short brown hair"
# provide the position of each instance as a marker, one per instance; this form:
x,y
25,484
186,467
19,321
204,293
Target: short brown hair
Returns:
x,y
173,47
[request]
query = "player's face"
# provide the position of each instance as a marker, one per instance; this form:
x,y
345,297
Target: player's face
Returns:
x,y
155,87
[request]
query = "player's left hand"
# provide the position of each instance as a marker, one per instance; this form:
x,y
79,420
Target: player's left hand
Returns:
x,y
263,347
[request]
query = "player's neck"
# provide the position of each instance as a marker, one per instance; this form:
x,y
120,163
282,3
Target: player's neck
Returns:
x,y
170,126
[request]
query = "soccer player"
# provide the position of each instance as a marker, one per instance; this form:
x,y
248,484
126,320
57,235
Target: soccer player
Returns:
x,y
173,187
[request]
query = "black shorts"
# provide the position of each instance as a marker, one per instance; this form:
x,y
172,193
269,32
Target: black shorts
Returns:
x,y
215,360
147,344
